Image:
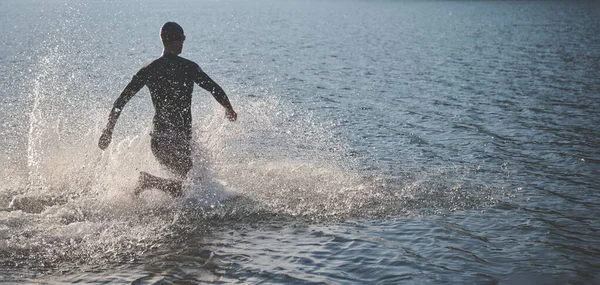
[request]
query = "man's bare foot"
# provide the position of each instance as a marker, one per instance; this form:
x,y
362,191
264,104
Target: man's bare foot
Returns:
x,y
171,186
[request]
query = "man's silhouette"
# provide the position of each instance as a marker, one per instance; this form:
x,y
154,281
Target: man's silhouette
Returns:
x,y
170,80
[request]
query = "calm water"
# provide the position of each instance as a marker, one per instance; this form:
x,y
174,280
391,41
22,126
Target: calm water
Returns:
x,y
384,142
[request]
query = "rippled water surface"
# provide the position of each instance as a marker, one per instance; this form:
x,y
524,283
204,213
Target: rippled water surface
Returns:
x,y
383,142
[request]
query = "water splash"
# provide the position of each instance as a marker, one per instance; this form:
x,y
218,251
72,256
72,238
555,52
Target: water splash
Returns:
x,y
278,162
273,164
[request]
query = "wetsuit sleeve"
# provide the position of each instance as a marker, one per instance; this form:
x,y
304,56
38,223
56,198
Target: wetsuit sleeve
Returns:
x,y
137,82
204,81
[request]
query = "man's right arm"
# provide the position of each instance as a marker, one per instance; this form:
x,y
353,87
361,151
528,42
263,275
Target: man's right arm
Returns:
x,y
132,88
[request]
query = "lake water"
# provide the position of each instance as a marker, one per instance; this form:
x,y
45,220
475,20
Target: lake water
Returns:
x,y
383,142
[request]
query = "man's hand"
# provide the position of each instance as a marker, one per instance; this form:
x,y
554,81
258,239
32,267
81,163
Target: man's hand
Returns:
x,y
105,139
231,114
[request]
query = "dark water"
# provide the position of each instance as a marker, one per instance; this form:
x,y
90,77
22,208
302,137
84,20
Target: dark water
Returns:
x,y
385,142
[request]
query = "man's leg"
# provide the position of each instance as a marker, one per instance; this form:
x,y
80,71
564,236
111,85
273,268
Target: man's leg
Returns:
x,y
176,156
170,186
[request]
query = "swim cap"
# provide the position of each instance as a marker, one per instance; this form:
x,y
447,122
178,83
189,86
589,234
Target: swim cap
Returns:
x,y
171,31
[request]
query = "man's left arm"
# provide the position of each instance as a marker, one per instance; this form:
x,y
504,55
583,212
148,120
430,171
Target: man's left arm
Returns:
x,y
204,81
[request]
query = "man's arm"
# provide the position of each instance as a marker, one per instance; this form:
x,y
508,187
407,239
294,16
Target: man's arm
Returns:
x,y
204,81
132,88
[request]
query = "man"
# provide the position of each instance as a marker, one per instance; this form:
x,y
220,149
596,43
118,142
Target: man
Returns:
x,y
170,80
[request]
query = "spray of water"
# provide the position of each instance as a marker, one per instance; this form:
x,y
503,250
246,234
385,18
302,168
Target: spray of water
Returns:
x,y
275,163
74,205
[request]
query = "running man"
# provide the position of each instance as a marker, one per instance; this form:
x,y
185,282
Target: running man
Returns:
x,y
170,80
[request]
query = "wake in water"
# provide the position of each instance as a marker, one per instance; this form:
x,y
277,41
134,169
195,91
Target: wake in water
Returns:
x,y
70,204
77,207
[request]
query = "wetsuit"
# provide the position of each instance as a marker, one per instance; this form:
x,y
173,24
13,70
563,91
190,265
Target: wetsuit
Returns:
x,y
170,80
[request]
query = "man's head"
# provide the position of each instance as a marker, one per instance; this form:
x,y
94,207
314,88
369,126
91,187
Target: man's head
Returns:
x,y
172,37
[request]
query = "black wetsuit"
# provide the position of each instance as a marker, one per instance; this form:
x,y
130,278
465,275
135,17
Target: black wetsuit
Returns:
x,y
170,80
